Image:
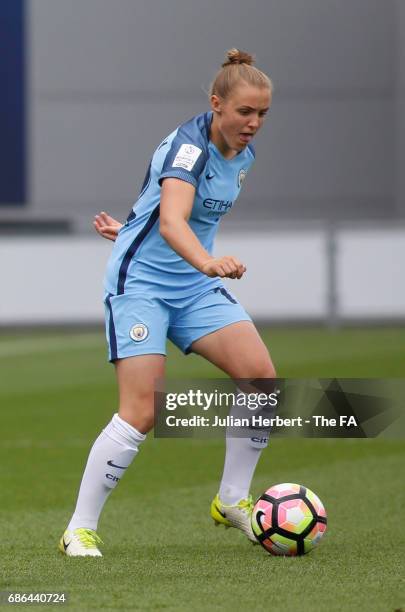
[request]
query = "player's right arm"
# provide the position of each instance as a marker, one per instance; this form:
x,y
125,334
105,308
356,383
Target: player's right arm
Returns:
x,y
176,203
107,226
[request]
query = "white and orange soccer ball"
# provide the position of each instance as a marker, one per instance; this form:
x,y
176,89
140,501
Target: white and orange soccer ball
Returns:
x,y
289,519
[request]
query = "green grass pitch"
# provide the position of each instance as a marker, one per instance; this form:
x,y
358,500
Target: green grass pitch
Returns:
x,y
162,550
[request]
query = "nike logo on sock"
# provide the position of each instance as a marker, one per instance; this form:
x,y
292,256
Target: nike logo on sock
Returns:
x,y
120,467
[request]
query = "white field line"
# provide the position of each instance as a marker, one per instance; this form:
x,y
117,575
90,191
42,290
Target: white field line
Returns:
x,y
33,443
55,344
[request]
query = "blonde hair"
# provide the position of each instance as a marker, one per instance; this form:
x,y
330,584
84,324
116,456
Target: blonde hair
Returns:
x,y
238,67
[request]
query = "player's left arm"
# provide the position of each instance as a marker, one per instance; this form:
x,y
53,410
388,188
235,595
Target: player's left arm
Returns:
x,y
176,203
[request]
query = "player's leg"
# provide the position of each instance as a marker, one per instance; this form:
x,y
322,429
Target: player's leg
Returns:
x,y
136,332
217,327
114,450
238,350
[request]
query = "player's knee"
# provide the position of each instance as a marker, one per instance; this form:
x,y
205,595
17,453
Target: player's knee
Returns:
x,y
143,395
138,410
262,369
269,370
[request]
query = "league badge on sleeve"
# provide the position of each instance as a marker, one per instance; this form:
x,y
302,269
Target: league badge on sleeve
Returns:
x,y
186,156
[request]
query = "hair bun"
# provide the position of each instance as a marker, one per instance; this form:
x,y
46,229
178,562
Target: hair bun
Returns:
x,y
236,56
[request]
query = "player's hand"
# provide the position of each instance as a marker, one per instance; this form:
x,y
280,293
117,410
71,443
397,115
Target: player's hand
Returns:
x,y
107,226
227,266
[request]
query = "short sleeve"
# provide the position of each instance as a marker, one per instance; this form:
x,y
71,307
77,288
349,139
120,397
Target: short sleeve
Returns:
x,y
187,156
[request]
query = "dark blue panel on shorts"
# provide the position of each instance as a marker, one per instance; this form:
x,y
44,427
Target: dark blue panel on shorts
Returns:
x,y
12,103
111,329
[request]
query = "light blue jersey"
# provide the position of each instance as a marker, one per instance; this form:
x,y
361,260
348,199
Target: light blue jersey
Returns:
x,y
141,259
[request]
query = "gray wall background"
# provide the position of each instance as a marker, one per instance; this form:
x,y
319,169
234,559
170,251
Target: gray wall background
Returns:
x,y
400,107
109,80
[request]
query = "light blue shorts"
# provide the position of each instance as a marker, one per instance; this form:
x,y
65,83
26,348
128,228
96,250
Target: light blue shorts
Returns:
x,y
139,323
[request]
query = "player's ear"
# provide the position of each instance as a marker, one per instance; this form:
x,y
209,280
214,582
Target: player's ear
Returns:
x,y
216,103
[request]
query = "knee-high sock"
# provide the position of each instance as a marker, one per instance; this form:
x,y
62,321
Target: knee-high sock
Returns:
x,y
241,458
110,456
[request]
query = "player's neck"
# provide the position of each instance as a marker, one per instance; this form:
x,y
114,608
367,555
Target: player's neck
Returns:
x,y
216,137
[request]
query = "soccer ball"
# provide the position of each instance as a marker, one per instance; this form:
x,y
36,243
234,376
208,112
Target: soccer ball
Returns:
x,y
288,519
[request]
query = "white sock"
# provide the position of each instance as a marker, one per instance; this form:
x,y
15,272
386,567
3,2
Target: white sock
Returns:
x,y
111,454
241,458
240,463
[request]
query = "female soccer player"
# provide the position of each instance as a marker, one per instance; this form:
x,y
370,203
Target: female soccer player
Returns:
x,y
163,282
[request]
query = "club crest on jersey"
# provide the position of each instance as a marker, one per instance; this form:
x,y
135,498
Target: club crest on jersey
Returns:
x,y
241,176
139,332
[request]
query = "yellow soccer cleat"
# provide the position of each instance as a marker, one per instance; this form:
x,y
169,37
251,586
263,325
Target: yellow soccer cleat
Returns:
x,y
80,543
238,516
